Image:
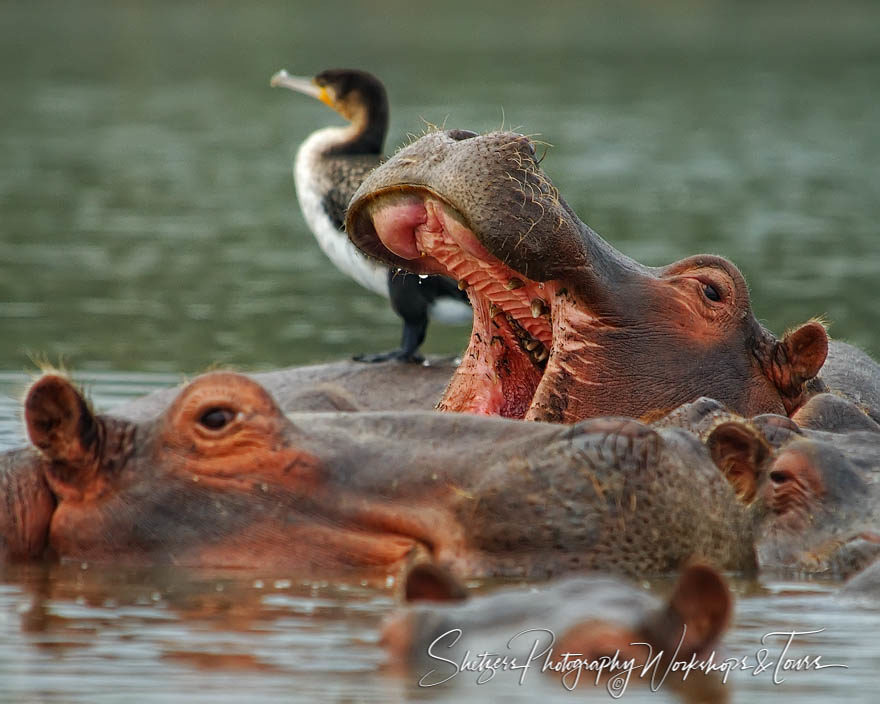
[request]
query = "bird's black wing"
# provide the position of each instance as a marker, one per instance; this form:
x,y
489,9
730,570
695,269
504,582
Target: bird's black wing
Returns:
x,y
340,178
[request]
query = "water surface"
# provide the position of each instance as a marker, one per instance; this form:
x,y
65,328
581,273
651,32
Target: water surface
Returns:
x,y
148,230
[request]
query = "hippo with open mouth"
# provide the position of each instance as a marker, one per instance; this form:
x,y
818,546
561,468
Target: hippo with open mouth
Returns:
x,y
565,326
224,478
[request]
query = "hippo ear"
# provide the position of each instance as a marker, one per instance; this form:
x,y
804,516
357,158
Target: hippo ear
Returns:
x,y
428,582
702,605
738,450
59,420
799,357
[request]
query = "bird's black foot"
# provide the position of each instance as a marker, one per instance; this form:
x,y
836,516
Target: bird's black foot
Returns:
x,y
398,355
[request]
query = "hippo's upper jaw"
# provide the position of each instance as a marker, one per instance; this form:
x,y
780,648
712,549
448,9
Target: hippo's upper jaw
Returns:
x,y
565,326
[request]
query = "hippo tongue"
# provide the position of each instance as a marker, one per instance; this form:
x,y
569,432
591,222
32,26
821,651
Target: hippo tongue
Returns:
x,y
404,218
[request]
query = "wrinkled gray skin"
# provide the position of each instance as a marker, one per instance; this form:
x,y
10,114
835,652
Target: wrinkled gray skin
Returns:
x,y
325,491
817,491
334,386
834,413
826,416
852,373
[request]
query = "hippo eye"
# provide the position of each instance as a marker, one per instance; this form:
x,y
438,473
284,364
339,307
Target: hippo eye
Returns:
x,y
778,477
711,292
217,417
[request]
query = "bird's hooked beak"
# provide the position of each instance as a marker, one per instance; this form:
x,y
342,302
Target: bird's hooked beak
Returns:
x,y
302,84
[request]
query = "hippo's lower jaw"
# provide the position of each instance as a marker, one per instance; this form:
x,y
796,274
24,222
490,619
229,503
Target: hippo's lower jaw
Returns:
x,y
522,328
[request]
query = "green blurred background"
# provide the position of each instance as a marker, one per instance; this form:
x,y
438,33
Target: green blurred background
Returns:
x,y
147,213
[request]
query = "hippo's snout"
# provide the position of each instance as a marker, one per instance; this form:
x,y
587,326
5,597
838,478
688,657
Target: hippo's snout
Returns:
x,y
490,184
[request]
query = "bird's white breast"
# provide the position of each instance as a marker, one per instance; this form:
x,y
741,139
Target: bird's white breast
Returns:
x,y
334,243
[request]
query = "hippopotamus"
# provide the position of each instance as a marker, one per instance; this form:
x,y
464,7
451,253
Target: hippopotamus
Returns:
x,y
865,583
565,326
853,374
223,478
825,416
591,617
815,494
834,413
819,503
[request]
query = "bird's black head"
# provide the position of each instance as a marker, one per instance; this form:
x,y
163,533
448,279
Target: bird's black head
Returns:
x,y
357,95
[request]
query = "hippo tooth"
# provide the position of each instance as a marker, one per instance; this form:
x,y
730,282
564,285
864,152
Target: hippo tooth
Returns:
x,y
462,285
531,345
514,284
538,307
542,354
494,310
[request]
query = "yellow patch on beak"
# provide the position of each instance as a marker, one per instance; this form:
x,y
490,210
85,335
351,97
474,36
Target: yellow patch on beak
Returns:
x,y
325,97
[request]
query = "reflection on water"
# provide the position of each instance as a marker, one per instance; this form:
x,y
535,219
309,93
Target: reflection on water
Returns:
x,y
147,224
79,632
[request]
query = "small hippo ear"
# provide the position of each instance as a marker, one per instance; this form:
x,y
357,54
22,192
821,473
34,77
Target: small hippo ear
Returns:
x,y
799,357
738,450
428,582
702,604
59,420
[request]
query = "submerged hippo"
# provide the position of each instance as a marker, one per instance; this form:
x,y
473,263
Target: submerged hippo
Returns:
x,y
825,416
815,494
821,492
565,326
597,620
864,584
834,413
853,374
224,478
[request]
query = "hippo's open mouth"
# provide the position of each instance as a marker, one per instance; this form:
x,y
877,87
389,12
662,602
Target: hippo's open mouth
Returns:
x,y
516,331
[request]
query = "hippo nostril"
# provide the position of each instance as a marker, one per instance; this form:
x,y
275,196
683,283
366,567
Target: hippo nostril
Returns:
x,y
216,417
461,135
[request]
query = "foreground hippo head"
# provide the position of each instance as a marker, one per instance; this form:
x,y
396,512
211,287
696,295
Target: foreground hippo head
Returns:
x,y
223,478
591,617
565,326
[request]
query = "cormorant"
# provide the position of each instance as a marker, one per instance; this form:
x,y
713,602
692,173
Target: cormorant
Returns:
x,y
328,168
